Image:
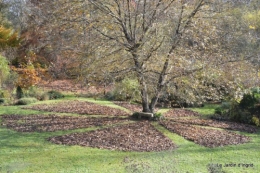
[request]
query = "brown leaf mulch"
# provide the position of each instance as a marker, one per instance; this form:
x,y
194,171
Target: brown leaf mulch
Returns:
x,y
141,136
219,124
131,107
180,113
79,107
50,123
204,136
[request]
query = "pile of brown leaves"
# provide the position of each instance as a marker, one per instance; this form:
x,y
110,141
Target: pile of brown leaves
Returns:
x,y
141,136
79,107
180,113
50,123
219,124
205,136
131,107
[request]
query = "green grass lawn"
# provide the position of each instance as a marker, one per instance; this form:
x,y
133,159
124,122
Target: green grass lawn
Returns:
x,y
31,152
207,109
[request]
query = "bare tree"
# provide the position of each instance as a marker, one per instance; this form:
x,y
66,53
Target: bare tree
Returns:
x,y
153,35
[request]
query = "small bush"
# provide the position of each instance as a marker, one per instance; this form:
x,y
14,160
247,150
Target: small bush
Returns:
x,y
5,93
239,112
26,101
2,101
55,95
44,96
219,111
248,101
125,90
135,115
158,116
226,105
19,92
256,121
34,92
110,95
222,111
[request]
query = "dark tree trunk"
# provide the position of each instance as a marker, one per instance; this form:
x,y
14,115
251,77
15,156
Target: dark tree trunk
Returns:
x,y
153,103
19,92
145,102
145,98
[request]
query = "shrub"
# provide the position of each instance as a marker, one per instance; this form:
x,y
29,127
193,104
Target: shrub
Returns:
x,y
256,121
33,92
110,95
135,115
240,112
223,109
158,116
26,101
248,101
55,95
2,101
226,105
45,96
126,90
19,92
4,94
219,110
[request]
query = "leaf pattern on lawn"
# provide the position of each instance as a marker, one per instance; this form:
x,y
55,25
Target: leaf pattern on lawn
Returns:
x,y
219,124
141,136
131,107
204,136
50,123
79,107
180,113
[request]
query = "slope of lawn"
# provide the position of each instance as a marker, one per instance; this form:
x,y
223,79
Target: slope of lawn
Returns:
x,y
31,152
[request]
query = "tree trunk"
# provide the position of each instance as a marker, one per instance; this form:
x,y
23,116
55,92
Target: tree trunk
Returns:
x,y
144,95
153,103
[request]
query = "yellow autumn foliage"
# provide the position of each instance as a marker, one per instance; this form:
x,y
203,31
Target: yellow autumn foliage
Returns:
x,y
8,38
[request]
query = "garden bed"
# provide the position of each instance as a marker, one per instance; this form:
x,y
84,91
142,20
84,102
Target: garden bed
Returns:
x,y
219,124
79,107
141,136
130,106
50,123
173,113
205,136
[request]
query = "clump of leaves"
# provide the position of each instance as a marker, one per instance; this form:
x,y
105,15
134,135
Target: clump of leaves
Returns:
x,y
26,101
55,95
